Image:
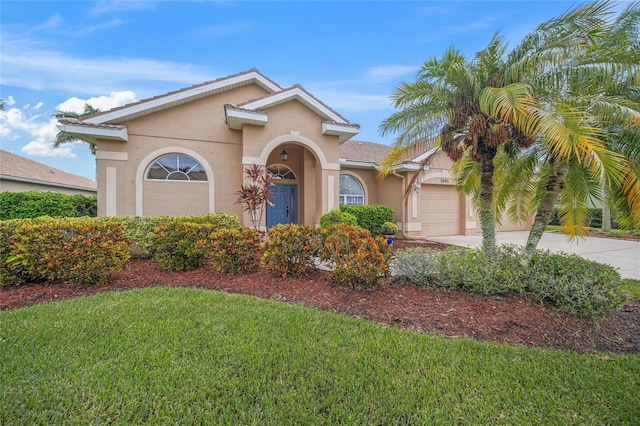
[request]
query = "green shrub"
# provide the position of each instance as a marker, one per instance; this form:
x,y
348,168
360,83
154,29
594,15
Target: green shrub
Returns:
x,y
416,265
140,228
370,217
555,217
574,284
181,246
356,258
75,250
85,206
236,250
336,217
291,249
32,204
595,218
389,228
569,282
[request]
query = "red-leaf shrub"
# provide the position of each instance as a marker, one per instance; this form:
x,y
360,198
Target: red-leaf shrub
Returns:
x,y
356,258
291,249
236,251
75,250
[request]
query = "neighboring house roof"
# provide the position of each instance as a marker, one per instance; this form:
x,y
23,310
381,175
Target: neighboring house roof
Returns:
x,y
104,125
15,167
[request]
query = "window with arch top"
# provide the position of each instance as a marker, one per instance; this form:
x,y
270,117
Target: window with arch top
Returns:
x,y
351,191
176,167
278,171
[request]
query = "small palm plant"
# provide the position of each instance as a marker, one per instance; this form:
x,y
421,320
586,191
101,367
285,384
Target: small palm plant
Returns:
x,y
255,194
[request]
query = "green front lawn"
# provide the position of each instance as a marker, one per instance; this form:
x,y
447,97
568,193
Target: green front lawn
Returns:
x,y
187,356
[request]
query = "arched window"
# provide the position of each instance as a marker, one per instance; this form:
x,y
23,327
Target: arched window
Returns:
x,y
176,167
351,191
278,171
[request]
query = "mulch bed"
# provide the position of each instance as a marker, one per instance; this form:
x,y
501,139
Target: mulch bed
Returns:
x,y
505,319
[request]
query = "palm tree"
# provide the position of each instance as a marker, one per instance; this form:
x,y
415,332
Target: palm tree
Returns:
x,y
473,107
64,137
579,105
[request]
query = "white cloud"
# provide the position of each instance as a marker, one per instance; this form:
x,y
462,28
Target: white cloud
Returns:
x,y
28,64
391,72
22,124
352,101
10,101
109,24
121,5
229,29
51,23
103,103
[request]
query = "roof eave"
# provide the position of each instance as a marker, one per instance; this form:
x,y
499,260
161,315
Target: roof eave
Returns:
x,y
237,118
163,102
344,132
300,95
358,164
92,134
46,183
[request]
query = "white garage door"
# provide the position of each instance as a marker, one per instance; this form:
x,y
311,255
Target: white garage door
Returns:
x,y
440,210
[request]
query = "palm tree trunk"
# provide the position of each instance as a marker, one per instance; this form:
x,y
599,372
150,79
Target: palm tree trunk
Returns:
x,y
606,211
485,208
553,188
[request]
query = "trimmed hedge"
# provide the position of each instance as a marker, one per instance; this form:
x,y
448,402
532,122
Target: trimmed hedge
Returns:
x,y
141,228
568,282
336,217
32,204
75,250
370,217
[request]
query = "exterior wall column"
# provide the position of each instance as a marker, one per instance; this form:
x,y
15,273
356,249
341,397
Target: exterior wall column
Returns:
x,y
110,167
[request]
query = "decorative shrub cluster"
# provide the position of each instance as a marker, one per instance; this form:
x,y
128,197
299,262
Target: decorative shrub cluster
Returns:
x,y
356,258
291,249
32,204
236,250
569,282
75,250
181,246
141,229
370,217
336,217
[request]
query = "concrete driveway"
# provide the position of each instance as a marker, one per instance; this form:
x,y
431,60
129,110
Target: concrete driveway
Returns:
x,y
621,254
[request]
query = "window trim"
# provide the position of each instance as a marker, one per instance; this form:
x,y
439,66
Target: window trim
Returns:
x,y
360,181
169,173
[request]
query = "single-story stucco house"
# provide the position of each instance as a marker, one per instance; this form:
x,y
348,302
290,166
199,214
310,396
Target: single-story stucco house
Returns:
x,y
185,152
19,174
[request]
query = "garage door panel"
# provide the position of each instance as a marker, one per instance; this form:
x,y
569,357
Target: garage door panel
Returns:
x,y
440,210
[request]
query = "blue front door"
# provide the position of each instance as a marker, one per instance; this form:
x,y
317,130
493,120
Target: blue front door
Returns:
x,y
285,205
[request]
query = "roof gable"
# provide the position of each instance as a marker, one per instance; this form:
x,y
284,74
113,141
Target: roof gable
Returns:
x,y
297,93
189,94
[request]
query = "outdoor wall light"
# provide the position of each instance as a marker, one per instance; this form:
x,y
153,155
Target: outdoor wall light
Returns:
x,y
284,155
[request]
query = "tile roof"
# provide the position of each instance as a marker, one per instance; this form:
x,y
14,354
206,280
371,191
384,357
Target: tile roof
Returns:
x,y
79,122
364,152
12,165
374,153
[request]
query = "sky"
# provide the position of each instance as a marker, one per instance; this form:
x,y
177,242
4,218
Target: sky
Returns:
x,y
59,55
